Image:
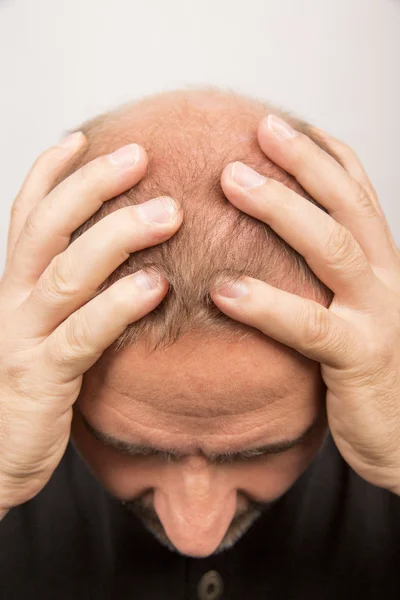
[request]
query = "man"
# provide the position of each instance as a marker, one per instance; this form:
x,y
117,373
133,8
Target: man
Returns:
x,y
204,406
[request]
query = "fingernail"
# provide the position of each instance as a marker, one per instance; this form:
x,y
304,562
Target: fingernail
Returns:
x,y
280,127
73,140
148,280
235,289
157,210
245,176
127,156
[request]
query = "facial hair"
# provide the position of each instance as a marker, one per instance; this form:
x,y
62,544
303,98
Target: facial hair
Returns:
x,y
240,524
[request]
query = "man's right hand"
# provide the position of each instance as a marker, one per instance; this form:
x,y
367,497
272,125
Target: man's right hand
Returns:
x,y
53,326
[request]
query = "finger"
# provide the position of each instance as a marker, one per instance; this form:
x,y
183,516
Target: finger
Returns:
x,y
49,226
300,323
355,169
46,170
69,282
349,161
330,250
329,183
79,342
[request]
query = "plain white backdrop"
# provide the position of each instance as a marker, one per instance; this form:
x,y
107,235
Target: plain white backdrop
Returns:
x,y
332,62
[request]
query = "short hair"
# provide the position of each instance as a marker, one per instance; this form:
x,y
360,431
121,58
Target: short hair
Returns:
x,y
190,135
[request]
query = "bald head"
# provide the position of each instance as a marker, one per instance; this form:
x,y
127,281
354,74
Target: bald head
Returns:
x,y
211,386
190,136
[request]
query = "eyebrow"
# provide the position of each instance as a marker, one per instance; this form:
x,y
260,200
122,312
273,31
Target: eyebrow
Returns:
x,y
172,454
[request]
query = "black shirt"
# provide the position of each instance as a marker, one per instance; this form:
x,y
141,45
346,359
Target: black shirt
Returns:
x,y
331,536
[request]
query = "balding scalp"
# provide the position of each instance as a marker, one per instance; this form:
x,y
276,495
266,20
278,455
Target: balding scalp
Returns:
x,y
190,136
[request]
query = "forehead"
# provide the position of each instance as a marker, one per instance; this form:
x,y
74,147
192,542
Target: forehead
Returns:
x,y
202,388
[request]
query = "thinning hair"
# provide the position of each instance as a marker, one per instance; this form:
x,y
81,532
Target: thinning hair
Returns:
x,y
190,135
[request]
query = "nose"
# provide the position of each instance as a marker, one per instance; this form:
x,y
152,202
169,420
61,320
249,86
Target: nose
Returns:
x,y
195,505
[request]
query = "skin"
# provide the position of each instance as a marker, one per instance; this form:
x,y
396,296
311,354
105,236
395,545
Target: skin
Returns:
x,y
356,340
260,393
356,343
54,332
251,404
352,251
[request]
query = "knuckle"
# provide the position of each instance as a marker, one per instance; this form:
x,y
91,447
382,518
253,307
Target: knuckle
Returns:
x,y
119,294
77,336
118,229
125,218
85,177
304,151
156,236
94,172
132,213
31,225
346,150
316,324
124,299
14,371
270,187
363,199
54,354
150,230
85,172
58,280
18,374
342,251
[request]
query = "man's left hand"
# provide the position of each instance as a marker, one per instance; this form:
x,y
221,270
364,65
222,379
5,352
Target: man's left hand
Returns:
x,y
351,250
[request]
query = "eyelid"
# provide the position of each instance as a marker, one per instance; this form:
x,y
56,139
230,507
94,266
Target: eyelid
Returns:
x,y
232,458
168,457
229,459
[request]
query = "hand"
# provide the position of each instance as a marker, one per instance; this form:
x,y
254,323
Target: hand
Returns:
x,y
351,250
53,327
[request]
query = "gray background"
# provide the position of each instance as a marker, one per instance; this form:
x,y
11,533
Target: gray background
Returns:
x,y
333,62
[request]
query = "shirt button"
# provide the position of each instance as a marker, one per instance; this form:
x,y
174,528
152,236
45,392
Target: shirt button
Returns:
x,y
210,586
